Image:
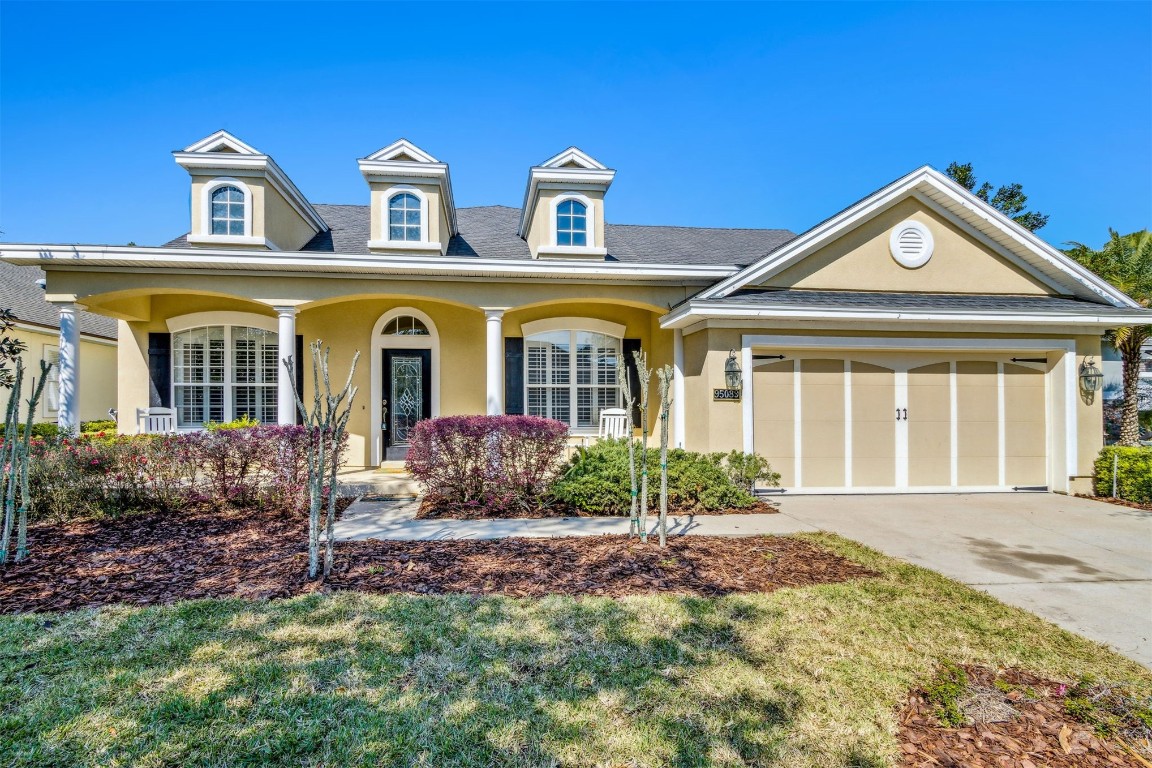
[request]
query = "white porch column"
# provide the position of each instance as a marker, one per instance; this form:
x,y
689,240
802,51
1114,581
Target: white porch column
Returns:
x,y
286,337
494,369
69,363
678,405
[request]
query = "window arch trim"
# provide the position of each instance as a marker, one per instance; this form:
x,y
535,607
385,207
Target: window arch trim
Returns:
x,y
206,211
590,214
385,232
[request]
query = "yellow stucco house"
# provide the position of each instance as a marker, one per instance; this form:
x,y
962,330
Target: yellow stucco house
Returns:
x,y
38,327
917,340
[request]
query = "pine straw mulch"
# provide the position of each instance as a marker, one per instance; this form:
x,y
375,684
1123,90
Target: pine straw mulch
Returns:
x,y
430,509
202,553
1025,726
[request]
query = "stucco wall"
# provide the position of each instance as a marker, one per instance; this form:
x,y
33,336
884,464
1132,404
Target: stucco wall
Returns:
x,y
98,372
437,224
861,261
540,224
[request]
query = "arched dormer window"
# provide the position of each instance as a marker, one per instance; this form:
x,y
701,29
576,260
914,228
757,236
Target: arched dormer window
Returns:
x,y
572,223
404,218
228,205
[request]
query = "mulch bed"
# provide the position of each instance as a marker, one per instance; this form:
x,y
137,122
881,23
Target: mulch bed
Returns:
x,y
1118,502
1033,730
200,553
431,510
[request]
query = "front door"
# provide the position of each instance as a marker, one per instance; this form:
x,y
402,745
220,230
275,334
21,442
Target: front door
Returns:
x,y
408,397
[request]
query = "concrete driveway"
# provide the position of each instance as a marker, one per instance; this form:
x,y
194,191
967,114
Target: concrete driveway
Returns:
x,y
1084,565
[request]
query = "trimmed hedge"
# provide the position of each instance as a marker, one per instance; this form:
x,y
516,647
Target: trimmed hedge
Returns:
x,y
1133,470
494,463
599,482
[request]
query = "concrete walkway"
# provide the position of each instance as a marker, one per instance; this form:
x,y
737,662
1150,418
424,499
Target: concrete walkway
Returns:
x,y
1084,565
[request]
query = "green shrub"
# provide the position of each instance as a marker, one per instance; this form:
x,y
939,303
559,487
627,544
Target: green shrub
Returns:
x,y
945,691
598,480
1133,472
45,429
244,422
99,425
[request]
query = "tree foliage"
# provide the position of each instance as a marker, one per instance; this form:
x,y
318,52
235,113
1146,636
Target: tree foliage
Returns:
x,y
10,348
1009,199
1125,261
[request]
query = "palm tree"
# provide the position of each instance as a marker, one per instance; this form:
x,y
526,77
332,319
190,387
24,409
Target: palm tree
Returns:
x,y
1126,262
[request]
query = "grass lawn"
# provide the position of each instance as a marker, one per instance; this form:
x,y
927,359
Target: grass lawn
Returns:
x,y
797,677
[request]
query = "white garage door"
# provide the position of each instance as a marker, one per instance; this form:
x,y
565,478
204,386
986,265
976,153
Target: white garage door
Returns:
x,y
836,422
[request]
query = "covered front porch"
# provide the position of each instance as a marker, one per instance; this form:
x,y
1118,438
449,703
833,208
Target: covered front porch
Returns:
x,y
427,350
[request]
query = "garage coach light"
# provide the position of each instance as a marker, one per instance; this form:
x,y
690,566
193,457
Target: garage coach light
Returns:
x,y
1091,379
732,373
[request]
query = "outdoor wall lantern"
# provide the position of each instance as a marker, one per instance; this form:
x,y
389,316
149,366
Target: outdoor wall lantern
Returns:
x,y
1091,379
732,374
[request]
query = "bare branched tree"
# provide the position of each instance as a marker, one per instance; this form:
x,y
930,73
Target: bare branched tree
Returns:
x,y
665,375
629,403
327,422
645,375
15,458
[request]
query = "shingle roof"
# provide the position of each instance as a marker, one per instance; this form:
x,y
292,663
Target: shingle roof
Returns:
x,y
20,292
910,302
489,232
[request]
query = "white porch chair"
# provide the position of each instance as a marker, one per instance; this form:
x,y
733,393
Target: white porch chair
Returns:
x,y
613,423
156,421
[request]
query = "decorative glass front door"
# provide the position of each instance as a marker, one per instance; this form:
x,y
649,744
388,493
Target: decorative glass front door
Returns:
x,y
407,390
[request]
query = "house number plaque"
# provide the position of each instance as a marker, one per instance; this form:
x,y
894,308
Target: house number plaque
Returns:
x,y
725,394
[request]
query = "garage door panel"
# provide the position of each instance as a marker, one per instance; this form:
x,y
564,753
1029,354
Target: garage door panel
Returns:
x,y
978,423
873,425
773,402
823,472
930,425
1025,428
822,434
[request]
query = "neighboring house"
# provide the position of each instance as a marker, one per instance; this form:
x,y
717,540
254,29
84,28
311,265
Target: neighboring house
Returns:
x,y
916,341
38,326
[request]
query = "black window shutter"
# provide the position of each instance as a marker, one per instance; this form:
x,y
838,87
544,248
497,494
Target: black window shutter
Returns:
x,y
631,347
299,366
514,376
160,370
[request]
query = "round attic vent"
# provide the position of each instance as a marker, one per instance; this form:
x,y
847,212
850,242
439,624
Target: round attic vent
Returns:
x,y
911,244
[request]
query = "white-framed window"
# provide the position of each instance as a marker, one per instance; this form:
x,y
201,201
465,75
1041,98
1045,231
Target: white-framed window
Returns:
x,y
50,400
228,214
404,218
405,325
572,223
570,376
224,372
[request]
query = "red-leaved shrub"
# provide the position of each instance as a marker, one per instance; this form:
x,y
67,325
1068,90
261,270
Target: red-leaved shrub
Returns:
x,y
496,462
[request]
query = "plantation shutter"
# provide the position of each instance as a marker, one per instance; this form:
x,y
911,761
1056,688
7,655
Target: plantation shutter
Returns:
x,y
631,347
514,376
299,360
160,370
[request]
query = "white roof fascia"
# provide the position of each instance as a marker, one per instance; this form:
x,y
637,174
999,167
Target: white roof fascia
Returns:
x,y
573,155
923,181
696,311
136,257
225,161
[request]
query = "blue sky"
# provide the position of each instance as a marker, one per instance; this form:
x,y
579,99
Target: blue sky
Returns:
x,y
744,115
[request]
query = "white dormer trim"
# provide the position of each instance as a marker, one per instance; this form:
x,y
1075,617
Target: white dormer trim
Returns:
x,y
592,175
199,159
386,242
574,155
593,247
1004,236
382,167
220,139
402,147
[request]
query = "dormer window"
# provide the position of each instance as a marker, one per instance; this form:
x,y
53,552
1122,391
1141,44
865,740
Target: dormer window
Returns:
x,y
404,222
572,223
228,211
